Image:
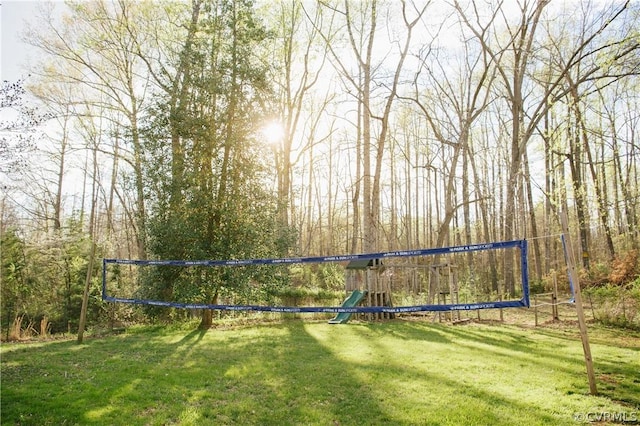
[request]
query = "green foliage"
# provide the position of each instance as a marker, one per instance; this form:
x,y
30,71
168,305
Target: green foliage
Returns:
x,y
247,231
295,296
303,275
332,276
15,290
329,276
208,198
537,286
596,275
613,290
615,305
46,281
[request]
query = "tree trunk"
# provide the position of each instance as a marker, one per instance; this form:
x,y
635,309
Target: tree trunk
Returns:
x,y
602,208
206,320
532,218
92,253
575,166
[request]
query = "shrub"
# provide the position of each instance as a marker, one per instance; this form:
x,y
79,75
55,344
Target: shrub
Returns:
x,y
624,270
616,305
596,276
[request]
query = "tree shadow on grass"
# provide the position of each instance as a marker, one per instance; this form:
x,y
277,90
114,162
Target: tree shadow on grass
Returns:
x,y
291,373
447,401
499,342
102,381
502,341
405,330
398,386
564,355
616,371
274,376
617,377
296,380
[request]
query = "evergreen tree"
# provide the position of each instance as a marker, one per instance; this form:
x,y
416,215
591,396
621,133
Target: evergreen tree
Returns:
x,y
214,204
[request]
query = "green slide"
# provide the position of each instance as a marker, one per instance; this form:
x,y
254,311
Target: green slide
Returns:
x,y
349,302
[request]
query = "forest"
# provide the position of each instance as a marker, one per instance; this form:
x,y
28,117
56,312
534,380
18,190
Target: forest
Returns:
x,y
238,129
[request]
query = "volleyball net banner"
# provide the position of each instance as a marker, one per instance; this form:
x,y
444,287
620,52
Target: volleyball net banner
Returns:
x,y
520,244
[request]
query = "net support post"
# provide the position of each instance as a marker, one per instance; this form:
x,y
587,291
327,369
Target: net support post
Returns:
x,y
573,275
524,262
104,279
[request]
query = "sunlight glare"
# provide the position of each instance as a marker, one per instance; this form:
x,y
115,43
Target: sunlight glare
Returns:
x,y
273,132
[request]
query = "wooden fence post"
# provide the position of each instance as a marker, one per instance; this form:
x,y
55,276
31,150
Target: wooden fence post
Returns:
x,y
554,298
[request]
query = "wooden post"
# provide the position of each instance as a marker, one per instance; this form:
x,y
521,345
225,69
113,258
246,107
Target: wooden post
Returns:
x,y
554,297
453,290
593,311
535,307
367,274
578,302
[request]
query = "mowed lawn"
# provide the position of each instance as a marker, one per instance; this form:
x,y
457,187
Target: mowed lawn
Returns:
x,y
311,373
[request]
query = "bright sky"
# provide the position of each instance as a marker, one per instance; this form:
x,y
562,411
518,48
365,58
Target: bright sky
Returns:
x,y
14,54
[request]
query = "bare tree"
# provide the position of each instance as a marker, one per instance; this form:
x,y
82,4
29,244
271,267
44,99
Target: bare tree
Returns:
x,y
98,49
624,155
360,25
92,131
514,55
298,59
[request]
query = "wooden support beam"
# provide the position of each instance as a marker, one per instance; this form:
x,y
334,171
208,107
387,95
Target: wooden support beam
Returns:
x,y
573,275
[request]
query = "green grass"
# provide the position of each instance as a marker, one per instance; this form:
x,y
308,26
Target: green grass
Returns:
x,y
298,373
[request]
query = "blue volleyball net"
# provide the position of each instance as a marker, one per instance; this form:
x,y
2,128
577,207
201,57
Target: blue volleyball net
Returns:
x,y
472,290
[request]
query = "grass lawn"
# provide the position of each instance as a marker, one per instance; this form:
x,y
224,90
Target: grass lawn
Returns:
x,y
298,372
